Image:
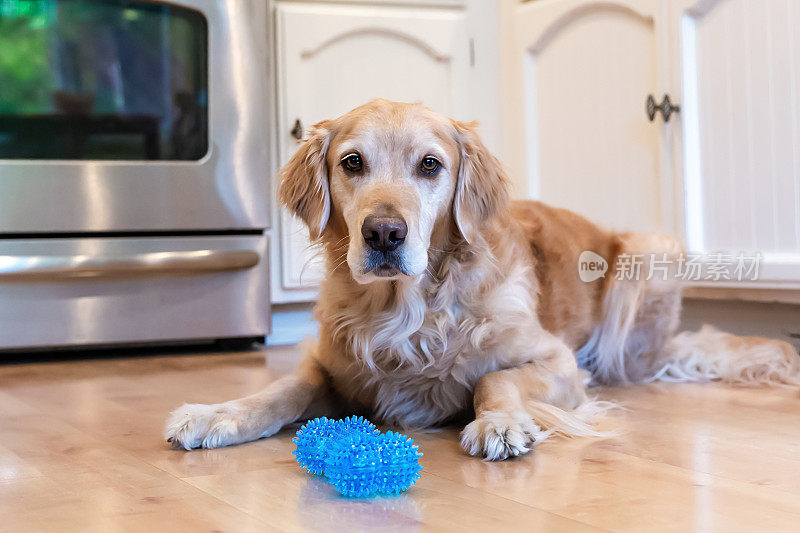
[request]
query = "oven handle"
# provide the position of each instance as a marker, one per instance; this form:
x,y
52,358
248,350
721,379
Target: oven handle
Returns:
x,y
54,268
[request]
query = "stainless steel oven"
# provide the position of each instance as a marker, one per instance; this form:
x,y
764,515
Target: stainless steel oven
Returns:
x,y
134,171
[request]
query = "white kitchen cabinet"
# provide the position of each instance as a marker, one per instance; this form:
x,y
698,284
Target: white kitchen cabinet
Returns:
x,y
569,79
332,58
587,67
723,173
736,66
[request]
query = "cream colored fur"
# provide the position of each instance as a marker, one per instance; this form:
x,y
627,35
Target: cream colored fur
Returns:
x,y
484,315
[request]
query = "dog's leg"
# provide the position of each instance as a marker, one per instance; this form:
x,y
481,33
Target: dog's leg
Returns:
x,y
519,407
305,393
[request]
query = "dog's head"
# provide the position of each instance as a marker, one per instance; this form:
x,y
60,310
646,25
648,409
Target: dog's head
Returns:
x,y
395,179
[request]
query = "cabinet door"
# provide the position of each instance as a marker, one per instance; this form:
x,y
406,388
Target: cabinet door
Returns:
x,y
588,66
736,66
334,58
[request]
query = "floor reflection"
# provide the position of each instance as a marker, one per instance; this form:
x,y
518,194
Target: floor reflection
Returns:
x,y
551,475
321,508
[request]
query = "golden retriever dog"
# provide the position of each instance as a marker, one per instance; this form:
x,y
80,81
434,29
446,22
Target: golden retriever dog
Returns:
x,y
443,299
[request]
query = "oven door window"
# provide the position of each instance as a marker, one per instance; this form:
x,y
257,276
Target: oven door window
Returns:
x,y
102,79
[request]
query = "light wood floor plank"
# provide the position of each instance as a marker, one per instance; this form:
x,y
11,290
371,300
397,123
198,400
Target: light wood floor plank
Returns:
x,y
81,450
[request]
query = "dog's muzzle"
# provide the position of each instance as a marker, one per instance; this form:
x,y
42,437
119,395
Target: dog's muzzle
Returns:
x,y
383,235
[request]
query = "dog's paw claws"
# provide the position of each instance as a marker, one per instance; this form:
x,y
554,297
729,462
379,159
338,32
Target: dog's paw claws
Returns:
x,y
497,435
196,425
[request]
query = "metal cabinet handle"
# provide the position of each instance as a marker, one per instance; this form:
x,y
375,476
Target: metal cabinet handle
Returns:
x,y
297,130
50,268
666,107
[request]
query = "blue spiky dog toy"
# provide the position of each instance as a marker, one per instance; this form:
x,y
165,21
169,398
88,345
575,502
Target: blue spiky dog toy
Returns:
x,y
312,439
359,466
356,459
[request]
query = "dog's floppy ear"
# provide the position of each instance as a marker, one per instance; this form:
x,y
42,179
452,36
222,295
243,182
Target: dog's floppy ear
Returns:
x,y
304,181
482,185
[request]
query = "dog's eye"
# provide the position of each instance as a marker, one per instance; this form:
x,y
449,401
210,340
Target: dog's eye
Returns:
x,y
429,165
353,163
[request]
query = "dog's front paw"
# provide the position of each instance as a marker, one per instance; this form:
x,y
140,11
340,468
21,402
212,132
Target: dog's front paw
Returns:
x,y
207,426
497,435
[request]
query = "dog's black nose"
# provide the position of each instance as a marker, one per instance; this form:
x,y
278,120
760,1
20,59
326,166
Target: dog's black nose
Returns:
x,y
384,234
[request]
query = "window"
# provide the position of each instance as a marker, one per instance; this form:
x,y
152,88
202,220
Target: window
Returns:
x,y
102,79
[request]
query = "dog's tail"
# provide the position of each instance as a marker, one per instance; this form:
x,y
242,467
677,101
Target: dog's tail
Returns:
x,y
710,354
636,340
635,343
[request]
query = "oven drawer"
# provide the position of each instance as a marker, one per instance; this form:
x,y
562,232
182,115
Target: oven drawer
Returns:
x,y
68,292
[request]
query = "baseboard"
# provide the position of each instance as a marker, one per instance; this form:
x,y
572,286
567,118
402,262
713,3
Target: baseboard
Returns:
x,y
774,320
291,323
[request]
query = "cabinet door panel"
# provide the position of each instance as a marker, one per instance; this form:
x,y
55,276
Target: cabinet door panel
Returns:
x,y
334,58
736,61
588,68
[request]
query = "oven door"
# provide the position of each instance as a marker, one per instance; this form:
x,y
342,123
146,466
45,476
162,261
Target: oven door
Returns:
x,y
133,116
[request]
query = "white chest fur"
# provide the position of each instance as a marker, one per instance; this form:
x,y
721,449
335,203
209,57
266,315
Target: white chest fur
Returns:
x,y
421,357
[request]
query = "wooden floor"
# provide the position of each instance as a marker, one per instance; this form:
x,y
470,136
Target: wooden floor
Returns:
x,y
81,450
